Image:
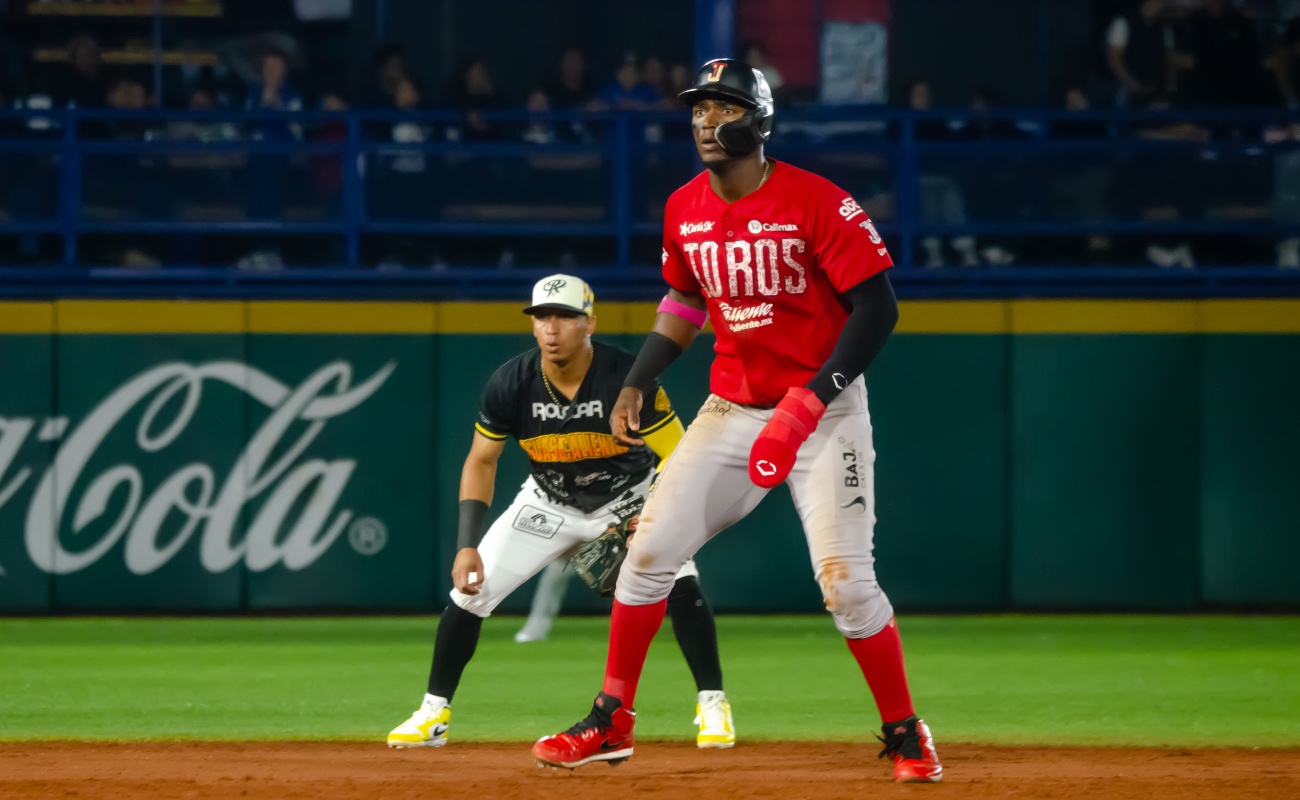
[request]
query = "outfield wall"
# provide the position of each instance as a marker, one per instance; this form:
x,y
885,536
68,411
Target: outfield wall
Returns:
x,y
221,456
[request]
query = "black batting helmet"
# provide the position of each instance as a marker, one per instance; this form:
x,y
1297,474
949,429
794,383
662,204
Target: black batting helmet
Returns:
x,y
738,82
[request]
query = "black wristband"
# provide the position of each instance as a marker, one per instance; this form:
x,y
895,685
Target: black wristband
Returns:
x,y
656,354
469,529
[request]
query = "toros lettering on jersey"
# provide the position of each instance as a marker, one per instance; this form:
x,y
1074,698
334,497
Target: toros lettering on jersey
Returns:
x,y
739,268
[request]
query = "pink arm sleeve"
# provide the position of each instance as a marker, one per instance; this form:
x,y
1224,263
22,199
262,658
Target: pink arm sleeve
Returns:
x,y
695,316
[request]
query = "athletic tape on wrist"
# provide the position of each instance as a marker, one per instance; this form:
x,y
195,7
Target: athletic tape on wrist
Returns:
x,y
695,316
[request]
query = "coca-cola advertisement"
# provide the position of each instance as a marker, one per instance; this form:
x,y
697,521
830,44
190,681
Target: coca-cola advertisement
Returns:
x,y
216,472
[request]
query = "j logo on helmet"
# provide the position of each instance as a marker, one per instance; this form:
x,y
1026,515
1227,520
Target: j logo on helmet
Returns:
x,y
716,75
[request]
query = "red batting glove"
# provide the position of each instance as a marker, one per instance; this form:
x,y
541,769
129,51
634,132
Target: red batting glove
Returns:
x,y
793,421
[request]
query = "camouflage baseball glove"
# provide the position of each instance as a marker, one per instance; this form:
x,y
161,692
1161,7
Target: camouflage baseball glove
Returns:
x,y
597,562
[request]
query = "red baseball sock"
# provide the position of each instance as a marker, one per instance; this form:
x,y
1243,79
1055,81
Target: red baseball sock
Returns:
x,y
631,629
881,660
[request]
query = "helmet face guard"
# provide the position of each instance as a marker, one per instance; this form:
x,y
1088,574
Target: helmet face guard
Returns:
x,y
736,82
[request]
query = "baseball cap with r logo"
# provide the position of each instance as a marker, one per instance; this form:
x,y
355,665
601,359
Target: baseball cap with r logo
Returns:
x,y
562,293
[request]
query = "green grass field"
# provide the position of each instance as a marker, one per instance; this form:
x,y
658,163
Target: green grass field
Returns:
x,y
1006,679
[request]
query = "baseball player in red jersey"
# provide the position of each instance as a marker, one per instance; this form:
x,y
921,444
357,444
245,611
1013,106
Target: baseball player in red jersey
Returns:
x,y
791,273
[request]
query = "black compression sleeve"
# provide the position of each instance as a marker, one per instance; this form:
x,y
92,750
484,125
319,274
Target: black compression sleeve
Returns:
x,y
656,354
453,647
469,530
696,632
872,318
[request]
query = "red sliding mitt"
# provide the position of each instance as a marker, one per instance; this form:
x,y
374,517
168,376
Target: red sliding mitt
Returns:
x,y
793,421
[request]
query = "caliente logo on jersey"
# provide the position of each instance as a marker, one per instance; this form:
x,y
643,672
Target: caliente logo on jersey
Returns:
x,y
743,318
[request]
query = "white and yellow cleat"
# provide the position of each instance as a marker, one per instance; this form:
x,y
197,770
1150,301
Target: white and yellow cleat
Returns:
x,y
713,715
427,727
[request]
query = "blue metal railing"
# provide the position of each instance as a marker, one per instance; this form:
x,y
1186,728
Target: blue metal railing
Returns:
x,y
636,159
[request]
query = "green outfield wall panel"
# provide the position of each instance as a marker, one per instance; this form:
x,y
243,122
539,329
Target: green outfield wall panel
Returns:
x,y
938,411
29,431
1250,499
152,516
1105,446
354,510
226,456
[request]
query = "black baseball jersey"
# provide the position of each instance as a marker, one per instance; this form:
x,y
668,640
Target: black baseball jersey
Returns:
x,y
574,457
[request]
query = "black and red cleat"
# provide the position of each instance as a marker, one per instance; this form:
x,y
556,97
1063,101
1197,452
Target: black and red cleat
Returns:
x,y
911,746
605,735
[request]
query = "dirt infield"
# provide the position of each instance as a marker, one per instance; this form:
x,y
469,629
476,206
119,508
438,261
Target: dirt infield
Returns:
x,y
664,771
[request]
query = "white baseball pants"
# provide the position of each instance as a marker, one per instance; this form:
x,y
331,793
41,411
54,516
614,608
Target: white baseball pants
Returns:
x,y
533,532
705,488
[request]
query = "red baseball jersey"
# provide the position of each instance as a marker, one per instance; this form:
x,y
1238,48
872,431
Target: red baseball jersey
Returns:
x,y
773,267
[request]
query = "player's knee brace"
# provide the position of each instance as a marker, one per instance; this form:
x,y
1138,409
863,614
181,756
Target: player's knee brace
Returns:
x,y
859,606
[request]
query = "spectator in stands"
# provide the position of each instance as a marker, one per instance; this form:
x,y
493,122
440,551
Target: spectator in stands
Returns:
x,y
327,170
123,94
1288,65
268,173
981,124
999,180
1165,185
1286,190
200,184
244,60
655,75
1139,45
627,92
1226,69
677,127
1075,99
942,202
202,99
539,131
755,54
274,92
389,68
399,186
920,98
1080,185
472,92
84,83
408,97
571,87
679,79
123,186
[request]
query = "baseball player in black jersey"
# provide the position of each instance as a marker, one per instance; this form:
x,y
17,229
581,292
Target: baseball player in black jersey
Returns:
x,y
555,400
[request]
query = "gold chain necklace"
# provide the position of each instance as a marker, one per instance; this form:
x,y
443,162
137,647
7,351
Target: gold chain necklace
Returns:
x,y
767,170
547,383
